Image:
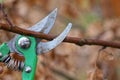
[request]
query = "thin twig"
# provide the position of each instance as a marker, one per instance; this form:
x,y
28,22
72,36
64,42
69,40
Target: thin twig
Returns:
x,y
5,15
77,41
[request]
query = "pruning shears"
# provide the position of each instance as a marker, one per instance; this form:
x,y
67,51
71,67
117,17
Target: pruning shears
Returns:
x,y
29,47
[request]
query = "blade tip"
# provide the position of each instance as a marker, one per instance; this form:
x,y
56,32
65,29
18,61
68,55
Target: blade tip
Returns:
x,y
55,10
70,25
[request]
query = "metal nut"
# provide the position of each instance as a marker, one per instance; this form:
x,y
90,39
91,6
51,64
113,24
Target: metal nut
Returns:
x,y
24,42
28,69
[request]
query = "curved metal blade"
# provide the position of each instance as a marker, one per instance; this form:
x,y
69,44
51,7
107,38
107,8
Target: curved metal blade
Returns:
x,y
44,47
46,24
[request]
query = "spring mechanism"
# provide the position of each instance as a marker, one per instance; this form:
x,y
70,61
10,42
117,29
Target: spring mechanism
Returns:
x,y
13,63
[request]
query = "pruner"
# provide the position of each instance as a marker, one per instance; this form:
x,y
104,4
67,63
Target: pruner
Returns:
x,y
29,47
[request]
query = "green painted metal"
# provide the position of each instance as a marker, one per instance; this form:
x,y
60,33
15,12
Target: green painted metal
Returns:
x,y
30,58
4,49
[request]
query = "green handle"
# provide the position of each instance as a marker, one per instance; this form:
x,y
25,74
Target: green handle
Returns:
x,y
4,50
30,58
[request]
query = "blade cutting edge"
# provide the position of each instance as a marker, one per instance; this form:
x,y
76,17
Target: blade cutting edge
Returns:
x,y
44,47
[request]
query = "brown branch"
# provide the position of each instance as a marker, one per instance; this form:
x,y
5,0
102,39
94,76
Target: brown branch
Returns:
x,y
77,41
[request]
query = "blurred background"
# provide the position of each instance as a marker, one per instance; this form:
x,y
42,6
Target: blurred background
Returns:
x,y
95,19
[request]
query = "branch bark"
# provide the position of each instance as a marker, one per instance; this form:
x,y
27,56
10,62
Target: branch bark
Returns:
x,y
77,41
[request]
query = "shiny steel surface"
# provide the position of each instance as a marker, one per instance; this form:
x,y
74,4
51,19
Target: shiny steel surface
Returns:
x,y
24,42
44,47
44,26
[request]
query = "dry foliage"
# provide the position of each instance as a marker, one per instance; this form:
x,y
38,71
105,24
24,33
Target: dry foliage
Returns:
x,y
68,61
105,67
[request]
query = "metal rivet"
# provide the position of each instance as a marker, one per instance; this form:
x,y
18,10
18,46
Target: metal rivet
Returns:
x,y
1,55
28,69
24,42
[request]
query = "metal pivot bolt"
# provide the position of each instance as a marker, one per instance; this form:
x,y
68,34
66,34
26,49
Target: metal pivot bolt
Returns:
x,y
28,69
24,42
